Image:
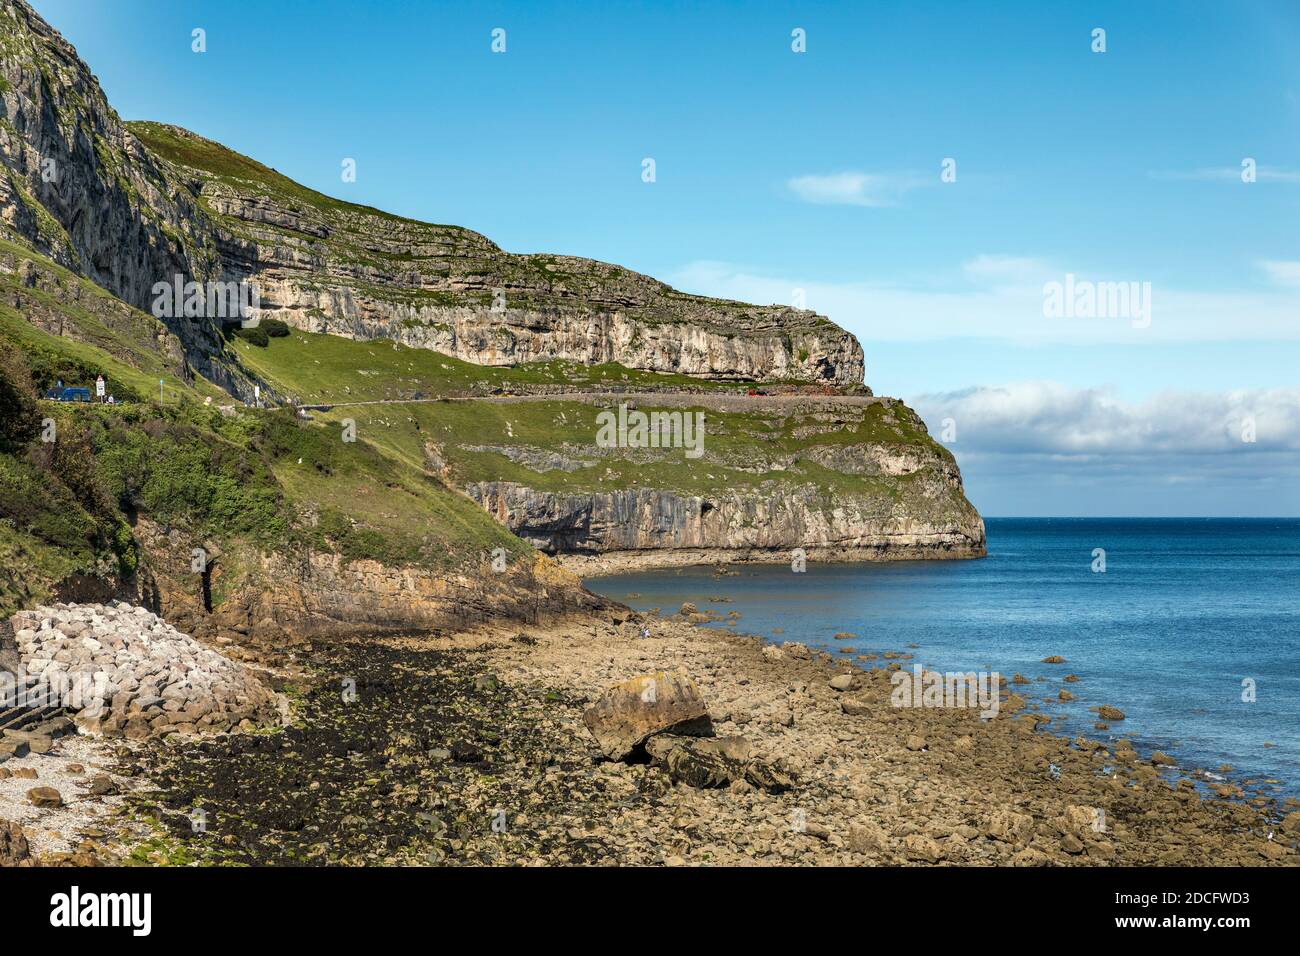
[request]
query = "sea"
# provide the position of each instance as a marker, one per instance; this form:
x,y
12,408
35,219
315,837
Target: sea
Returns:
x,y
1190,626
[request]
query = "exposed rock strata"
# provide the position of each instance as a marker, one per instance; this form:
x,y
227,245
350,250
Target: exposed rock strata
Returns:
x,y
130,205
313,594
756,527
80,187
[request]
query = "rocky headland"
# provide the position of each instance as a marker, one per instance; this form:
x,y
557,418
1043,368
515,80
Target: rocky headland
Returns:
x,y
364,521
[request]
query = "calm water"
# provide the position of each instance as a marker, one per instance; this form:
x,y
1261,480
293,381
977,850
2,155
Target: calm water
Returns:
x,y
1186,609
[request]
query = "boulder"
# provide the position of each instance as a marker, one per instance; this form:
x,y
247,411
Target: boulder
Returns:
x,y
854,706
46,797
713,762
732,748
1108,713
770,777
1007,826
1030,857
699,768
921,849
630,713
1079,821
841,682
867,837
14,850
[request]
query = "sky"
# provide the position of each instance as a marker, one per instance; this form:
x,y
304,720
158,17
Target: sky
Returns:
x,y
930,176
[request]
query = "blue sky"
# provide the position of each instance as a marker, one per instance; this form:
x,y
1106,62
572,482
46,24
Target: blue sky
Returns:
x,y
820,171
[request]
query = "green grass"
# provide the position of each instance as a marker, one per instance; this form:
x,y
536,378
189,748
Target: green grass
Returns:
x,y
324,369
187,149
101,335
747,453
253,481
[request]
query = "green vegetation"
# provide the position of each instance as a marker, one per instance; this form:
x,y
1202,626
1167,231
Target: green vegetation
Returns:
x,y
98,334
251,480
262,333
325,369
768,448
255,336
186,149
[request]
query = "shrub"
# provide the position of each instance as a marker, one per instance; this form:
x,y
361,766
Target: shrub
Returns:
x,y
20,420
257,335
275,328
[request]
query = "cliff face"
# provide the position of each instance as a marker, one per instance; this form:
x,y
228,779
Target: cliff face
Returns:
x,y
79,187
841,478
658,526
129,205
89,204
323,265
309,595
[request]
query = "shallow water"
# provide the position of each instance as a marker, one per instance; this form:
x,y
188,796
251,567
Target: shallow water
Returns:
x,y
1185,611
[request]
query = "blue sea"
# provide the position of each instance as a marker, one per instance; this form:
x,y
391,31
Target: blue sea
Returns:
x,y
1185,612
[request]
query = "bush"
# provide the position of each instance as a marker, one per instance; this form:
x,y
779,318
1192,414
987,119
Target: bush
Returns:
x,y
49,366
257,335
20,420
275,328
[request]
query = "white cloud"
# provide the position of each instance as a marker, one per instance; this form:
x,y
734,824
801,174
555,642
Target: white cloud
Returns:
x,y
1007,271
853,188
1000,298
1264,174
1282,272
1092,424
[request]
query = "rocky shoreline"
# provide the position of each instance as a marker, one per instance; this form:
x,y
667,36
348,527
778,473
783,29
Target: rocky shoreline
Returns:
x,y
477,747
656,559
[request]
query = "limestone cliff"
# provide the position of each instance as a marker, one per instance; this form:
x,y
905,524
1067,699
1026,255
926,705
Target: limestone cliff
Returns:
x,y
647,527
840,477
79,187
90,205
324,265
129,205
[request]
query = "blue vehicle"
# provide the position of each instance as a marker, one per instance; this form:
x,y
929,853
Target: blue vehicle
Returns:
x,y
69,394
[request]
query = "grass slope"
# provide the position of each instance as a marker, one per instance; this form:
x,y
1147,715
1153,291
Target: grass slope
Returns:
x,y
769,449
321,369
243,479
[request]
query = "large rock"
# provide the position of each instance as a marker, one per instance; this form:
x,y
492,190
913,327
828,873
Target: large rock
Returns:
x,y
14,850
707,762
699,768
629,713
46,797
733,748
1007,826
